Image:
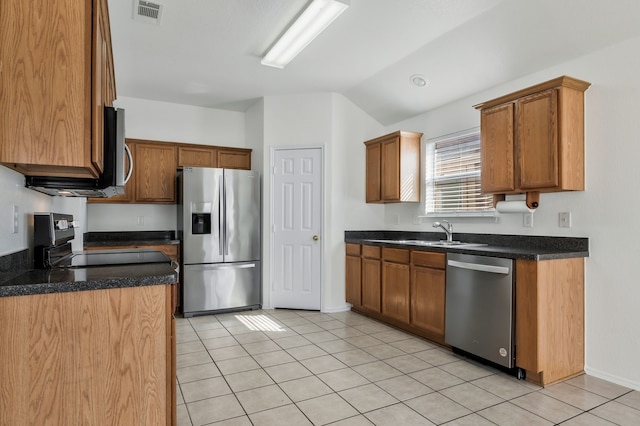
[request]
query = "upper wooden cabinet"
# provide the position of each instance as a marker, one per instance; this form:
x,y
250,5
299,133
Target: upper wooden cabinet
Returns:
x,y
533,139
393,168
56,75
155,163
213,156
197,156
155,172
153,180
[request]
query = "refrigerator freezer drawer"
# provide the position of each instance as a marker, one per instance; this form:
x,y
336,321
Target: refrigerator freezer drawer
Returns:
x,y
222,286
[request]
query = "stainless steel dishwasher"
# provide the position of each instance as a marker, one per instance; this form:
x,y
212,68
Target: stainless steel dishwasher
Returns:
x,y
480,307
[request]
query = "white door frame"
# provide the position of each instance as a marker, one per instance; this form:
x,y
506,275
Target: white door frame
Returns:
x,y
322,215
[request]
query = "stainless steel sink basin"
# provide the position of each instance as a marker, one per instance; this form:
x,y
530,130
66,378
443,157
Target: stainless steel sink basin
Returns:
x,y
424,243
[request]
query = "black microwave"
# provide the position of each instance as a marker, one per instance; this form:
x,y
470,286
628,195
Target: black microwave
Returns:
x,y
111,182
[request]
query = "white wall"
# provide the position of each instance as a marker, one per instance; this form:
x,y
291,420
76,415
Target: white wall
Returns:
x,y
605,212
332,122
165,122
13,192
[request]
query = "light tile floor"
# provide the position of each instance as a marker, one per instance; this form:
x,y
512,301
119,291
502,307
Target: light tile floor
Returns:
x,y
282,367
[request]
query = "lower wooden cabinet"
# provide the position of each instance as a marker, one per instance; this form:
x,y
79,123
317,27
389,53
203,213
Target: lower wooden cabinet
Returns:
x,y
371,278
88,357
428,293
353,278
550,319
395,284
403,287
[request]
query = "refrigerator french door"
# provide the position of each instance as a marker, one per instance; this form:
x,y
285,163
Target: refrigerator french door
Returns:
x,y
220,215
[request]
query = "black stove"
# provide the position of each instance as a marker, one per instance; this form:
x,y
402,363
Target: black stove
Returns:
x,y
53,233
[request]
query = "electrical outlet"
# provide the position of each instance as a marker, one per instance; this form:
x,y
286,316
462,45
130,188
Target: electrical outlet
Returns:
x,y
15,219
564,219
527,220
417,220
140,220
396,219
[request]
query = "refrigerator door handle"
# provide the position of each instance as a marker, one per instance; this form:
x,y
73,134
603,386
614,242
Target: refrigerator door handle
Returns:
x,y
226,218
220,219
223,266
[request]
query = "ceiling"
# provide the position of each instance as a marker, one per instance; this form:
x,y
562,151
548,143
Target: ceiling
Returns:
x,y
207,52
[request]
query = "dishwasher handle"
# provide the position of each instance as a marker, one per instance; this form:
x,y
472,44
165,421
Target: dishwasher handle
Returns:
x,y
479,267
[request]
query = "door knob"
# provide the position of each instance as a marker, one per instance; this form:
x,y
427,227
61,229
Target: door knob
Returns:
x,y
316,238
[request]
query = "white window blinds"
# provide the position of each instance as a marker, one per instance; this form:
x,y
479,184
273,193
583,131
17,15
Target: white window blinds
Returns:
x,y
453,176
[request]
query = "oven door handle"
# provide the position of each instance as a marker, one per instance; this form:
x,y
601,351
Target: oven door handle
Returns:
x,y
479,267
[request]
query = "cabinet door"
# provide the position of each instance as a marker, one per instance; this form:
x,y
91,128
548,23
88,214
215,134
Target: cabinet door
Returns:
x,y
373,173
395,291
353,281
197,156
45,87
390,169
537,140
428,300
371,284
497,139
155,168
234,158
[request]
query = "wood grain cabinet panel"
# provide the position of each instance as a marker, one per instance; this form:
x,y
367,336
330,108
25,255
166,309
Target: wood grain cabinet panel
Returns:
x,y
155,167
428,300
395,291
428,293
550,319
353,281
56,77
393,168
234,158
89,357
371,278
197,156
496,127
533,140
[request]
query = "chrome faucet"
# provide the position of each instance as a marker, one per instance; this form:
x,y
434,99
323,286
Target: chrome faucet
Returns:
x,y
448,230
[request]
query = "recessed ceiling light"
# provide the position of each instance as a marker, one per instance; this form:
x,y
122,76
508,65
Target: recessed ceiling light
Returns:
x,y
419,80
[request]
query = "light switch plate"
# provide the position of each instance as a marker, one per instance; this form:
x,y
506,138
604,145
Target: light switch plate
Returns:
x,y
15,222
564,219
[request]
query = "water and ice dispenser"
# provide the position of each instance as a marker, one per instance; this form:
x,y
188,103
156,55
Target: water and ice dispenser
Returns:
x,y
200,218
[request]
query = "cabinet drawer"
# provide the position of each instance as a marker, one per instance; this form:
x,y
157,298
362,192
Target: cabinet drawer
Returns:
x,y
372,252
429,259
353,249
395,255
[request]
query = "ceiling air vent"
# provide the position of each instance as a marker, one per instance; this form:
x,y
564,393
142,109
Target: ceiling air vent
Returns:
x,y
147,11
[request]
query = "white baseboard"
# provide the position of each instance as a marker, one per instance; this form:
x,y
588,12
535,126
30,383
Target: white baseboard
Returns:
x,y
612,378
343,308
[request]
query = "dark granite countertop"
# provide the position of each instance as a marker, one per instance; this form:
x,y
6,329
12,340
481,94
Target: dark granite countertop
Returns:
x,y
505,246
45,281
126,238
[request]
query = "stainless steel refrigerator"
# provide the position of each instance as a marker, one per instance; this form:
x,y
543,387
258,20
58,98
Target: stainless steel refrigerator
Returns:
x,y
219,219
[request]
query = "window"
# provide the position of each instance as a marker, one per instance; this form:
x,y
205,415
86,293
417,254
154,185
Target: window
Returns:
x,y
453,176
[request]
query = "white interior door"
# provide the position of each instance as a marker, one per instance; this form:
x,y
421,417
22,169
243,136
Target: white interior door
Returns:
x,y
296,228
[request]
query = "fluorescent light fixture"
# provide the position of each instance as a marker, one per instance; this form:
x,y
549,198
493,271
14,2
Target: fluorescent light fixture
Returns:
x,y
315,18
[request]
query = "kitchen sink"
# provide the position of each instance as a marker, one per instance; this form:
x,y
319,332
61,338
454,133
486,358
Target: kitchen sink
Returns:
x,y
424,243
